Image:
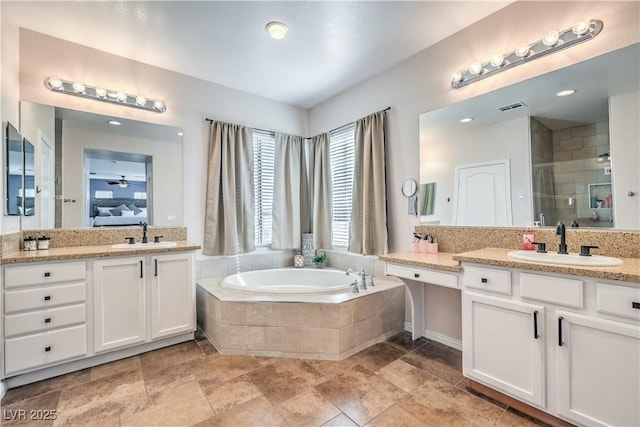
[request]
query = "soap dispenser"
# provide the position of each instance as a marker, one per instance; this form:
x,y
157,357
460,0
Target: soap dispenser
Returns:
x,y
528,239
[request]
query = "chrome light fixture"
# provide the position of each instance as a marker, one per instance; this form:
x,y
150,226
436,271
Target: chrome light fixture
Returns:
x,y
551,42
105,95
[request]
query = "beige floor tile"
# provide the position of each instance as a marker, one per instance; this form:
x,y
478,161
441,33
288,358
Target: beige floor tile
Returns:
x,y
512,418
377,356
41,387
438,360
130,364
157,380
231,394
173,355
183,405
404,341
20,413
340,421
285,378
331,368
220,368
396,416
256,412
403,375
360,394
308,409
100,402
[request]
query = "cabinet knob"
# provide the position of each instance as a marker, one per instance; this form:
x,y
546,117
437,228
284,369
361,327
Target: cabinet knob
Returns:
x,y
484,280
416,275
48,348
635,305
47,320
47,298
47,274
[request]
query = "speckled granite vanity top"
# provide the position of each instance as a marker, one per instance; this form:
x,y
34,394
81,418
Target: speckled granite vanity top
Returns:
x,y
439,261
629,271
76,252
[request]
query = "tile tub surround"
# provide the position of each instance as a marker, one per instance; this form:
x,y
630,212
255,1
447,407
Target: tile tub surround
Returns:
x,y
457,239
331,327
11,242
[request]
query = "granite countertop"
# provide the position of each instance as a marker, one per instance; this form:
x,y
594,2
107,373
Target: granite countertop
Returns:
x,y
77,252
443,261
629,271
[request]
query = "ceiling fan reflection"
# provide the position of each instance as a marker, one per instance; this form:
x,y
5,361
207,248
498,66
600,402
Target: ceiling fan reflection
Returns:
x,y
123,183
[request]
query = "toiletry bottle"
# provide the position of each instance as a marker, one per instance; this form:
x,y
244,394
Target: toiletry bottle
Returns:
x,y
527,240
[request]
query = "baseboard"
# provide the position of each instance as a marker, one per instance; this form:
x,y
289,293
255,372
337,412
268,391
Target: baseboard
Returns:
x,y
437,337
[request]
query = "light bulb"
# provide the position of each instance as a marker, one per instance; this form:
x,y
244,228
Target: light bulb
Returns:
x,y
456,77
159,105
551,38
78,87
522,52
566,92
497,60
101,93
581,27
55,83
141,100
476,68
466,120
122,97
277,30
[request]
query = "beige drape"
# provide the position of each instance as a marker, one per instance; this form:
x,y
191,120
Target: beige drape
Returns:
x,y
321,191
368,230
229,226
290,193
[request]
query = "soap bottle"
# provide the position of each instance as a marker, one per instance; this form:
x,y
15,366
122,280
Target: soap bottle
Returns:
x,y
527,240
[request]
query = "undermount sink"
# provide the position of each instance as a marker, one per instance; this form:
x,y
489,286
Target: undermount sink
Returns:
x,y
565,259
149,245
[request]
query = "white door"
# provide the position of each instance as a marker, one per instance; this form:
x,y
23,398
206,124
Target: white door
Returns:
x,y
598,370
503,345
482,194
119,302
172,295
46,182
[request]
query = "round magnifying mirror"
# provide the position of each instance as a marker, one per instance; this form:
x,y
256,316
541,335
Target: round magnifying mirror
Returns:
x,y
409,187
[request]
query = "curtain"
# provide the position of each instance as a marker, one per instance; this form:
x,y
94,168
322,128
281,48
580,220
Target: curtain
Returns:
x,y
229,226
368,229
321,191
290,193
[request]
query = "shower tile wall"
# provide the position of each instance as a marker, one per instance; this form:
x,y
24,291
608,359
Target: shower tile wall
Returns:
x,y
542,159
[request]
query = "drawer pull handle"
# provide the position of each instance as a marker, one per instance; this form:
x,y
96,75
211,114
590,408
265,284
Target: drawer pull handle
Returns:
x,y
484,280
416,275
47,320
635,305
156,267
141,270
48,348
47,274
535,325
47,298
560,341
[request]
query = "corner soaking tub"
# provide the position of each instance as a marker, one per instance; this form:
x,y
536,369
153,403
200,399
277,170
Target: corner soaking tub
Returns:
x,y
302,313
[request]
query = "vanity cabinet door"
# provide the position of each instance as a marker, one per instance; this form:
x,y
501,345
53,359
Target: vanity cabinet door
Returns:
x,y
118,302
598,370
172,295
503,345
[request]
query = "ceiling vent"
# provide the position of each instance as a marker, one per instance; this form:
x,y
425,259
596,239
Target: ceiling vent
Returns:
x,y
512,106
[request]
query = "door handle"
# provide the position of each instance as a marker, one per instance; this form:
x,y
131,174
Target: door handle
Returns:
x,y
535,325
560,341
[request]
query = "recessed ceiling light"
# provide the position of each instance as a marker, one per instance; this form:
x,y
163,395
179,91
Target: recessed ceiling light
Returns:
x,y
466,120
566,92
114,122
277,30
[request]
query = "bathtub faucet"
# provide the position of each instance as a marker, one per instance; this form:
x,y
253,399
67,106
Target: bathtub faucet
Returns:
x,y
350,271
363,278
355,287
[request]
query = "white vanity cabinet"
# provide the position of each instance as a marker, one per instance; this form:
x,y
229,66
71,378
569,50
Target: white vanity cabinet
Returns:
x,y
44,315
567,345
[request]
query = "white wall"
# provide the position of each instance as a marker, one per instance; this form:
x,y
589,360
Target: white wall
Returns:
x,y
624,137
506,140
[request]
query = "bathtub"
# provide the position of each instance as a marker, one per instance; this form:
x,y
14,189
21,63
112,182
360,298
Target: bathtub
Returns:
x,y
291,281
302,313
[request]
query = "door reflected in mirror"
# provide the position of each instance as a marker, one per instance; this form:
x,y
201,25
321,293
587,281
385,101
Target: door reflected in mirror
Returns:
x,y
427,198
28,192
14,171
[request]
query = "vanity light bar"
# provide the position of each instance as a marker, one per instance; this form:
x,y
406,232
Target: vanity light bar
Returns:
x,y
104,95
552,42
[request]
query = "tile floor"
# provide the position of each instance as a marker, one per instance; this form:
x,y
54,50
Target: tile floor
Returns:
x,y
394,383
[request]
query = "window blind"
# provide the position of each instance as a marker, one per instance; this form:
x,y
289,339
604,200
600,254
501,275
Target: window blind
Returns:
x,y
263,159
342,158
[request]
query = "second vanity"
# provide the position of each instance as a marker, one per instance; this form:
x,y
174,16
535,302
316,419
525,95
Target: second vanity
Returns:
x,y
70,308
545,339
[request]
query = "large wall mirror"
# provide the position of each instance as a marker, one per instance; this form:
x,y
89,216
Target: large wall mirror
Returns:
x,y
523,155
14,171
101,171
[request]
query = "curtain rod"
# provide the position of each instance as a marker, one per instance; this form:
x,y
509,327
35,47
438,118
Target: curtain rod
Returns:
x,y
332,130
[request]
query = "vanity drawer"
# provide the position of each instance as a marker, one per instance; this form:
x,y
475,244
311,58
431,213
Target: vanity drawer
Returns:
x,y
40,298
618,300
36,350
43,320
555,290
40,274
423,275
487,279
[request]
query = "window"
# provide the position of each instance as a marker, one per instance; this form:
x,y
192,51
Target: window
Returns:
x,y
263,164
342,157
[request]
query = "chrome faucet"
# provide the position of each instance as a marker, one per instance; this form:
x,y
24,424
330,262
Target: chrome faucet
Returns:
x,y
349,271
144,232
363,277
562,232
542,222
